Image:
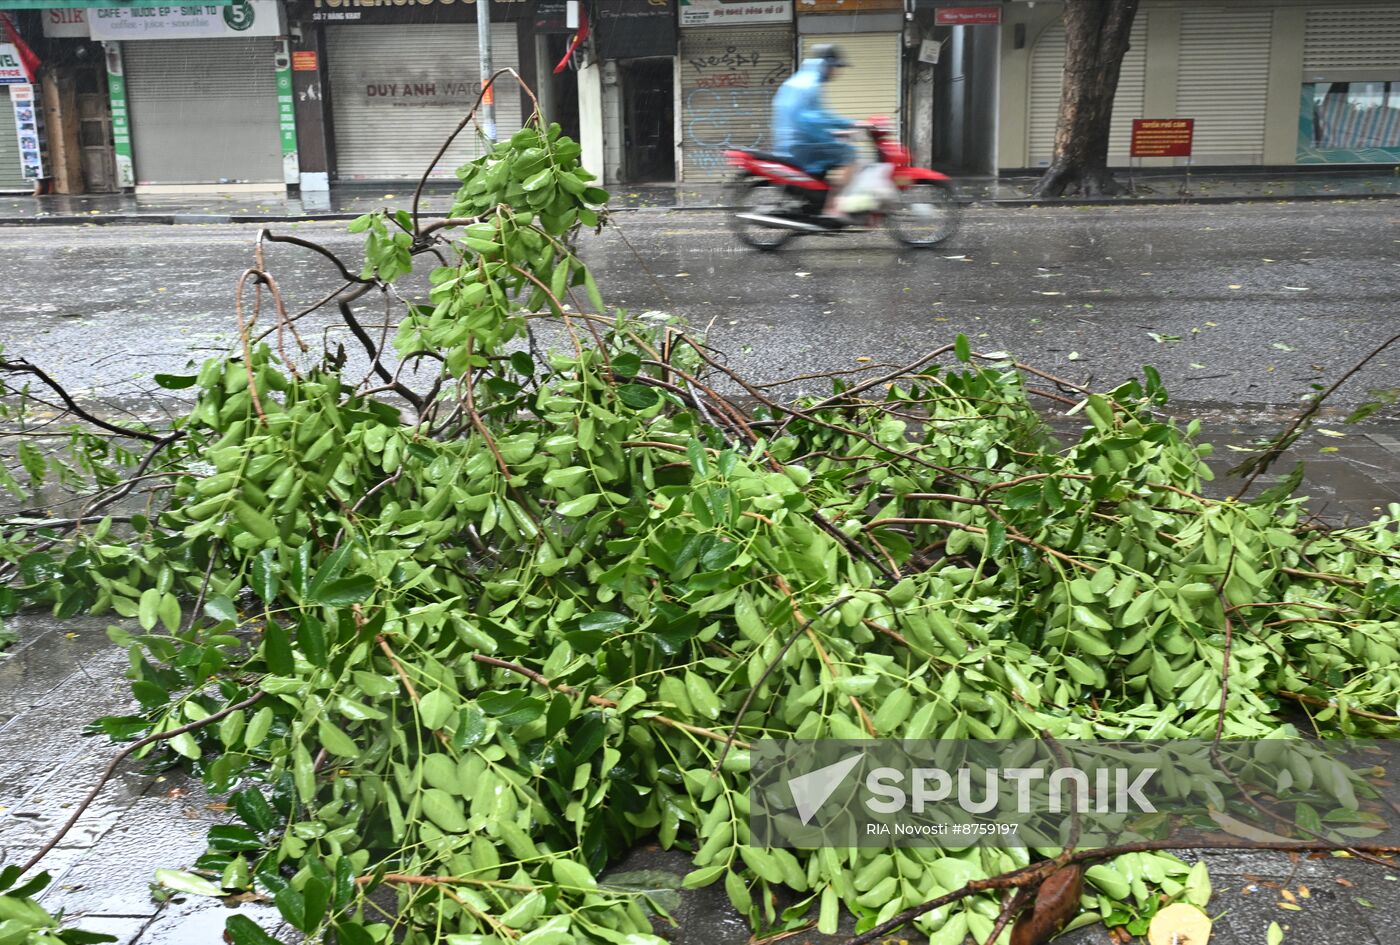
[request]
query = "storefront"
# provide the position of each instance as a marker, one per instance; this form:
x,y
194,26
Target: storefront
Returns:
x,y
733,57
1349,110
636,39
1268,83
870,36
201,96
398,79
21,157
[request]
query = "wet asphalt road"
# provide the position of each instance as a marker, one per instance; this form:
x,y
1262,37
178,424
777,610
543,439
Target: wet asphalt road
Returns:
x,y
1245,305
1264,300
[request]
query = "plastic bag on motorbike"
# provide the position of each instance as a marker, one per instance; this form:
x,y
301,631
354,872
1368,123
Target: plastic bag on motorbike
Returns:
x,y
870,187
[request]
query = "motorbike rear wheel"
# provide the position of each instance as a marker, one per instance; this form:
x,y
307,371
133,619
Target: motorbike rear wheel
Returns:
x,y
925,214
755,195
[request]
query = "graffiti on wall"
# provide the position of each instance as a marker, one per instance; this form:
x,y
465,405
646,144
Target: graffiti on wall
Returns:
x,y
730,101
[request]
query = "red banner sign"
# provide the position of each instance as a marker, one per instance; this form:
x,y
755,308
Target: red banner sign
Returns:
x,y
967,16
303,60
1162,137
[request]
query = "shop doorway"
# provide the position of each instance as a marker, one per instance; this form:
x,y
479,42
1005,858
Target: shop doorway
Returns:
x,y
648,120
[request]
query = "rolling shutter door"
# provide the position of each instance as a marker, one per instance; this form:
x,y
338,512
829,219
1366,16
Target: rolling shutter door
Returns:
x,y
728,79
869,86
203,111
1362,40
1047,80
398,91
1223,83
11,174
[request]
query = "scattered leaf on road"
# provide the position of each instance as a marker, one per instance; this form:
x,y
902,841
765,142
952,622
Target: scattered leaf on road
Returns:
x,y
1179,924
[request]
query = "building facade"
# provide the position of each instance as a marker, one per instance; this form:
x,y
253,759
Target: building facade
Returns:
x,y
261,94
380,86
1267,83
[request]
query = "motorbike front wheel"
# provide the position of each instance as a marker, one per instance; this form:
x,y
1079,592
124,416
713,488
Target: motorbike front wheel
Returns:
x,y
759,196
924,214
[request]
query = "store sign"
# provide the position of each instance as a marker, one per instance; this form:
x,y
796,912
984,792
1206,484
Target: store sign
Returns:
x,y
410,11
550,16
967,16
121,118
630,29
1162,137
734,12
11,71
197,21
286,114
27,119
65,24
850,6
304,60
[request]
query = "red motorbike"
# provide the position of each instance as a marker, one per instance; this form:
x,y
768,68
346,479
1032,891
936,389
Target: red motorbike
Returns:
x,y
778,200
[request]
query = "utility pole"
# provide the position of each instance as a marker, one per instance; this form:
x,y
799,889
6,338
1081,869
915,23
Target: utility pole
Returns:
x,y
483,45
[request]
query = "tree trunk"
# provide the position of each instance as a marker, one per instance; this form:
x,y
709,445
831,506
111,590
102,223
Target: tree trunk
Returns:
x,y
1096,40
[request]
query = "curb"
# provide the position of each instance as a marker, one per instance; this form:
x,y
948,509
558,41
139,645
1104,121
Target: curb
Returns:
x,y
184,219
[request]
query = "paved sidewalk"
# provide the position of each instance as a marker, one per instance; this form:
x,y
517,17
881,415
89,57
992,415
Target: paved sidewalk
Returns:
x,y
64,673
350,200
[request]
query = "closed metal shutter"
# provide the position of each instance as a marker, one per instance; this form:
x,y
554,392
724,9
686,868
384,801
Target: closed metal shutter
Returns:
x,y
398,91
203,111
1047,81
11,174
869,86
1223,83
728,79
1361,39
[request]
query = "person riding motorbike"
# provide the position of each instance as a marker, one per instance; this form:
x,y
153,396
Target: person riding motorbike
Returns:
x,y
805,129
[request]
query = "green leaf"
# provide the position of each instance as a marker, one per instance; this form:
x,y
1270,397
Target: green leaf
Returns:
x,y
350,933
245,931
351,590
544,177
1275,934
221,609
580,506
182,881
626,364
277,650
175,381
292,906
265,575
511,708
311,635
962,349
255,811
638,396
335,741
435,708
330,570
148,611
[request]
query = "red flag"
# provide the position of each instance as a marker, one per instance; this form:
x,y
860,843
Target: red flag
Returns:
x,y
578,39
27,59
